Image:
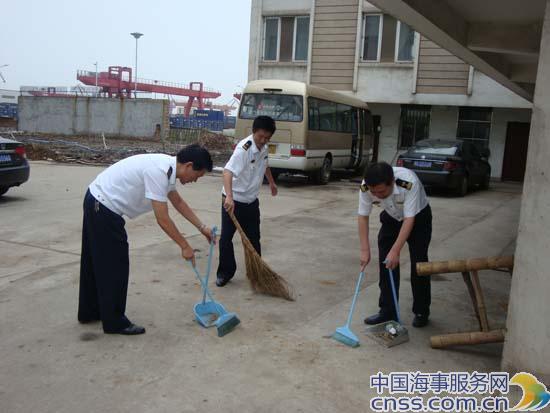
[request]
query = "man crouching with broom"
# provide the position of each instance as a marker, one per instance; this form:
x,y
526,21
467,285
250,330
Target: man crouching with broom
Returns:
x,y
242,179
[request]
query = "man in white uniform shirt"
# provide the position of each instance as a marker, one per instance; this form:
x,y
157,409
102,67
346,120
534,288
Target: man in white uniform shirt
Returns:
x,y
131,187
406,217
242,178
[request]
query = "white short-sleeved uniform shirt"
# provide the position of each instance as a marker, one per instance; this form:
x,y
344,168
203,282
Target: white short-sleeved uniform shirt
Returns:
x,y
248,165
129,186
403,203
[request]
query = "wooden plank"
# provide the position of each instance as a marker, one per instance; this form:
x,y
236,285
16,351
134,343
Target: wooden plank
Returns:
x,y
440,59
336,3
334,52
334,45
332,79
470,338
468,281
443,67
332,65
436,74
334,37
443,90
335,23
336,16
442,82
332,72
434,52
335,30
333,59
480,302
336,9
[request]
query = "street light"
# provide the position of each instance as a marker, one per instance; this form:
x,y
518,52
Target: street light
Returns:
x,y
2,77
136,35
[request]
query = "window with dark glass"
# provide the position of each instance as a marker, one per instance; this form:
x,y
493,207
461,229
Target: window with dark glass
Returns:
x,y
286,38
371,37
414,124
474,125
405,43
287,108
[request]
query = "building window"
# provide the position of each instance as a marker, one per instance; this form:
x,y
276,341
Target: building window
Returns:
x,y
404,43
474,124
301,38
271,39
414,125
286,39
372,37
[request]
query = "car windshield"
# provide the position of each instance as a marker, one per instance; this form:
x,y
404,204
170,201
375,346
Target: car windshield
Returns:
x,y
280,107
435,148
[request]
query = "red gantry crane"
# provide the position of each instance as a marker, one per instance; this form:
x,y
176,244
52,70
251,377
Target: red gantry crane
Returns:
x,y
118,82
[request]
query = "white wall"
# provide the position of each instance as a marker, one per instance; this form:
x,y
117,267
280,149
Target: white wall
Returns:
x,y
389,118
288,72
443,124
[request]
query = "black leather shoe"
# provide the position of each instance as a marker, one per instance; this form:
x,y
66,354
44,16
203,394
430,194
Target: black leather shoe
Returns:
x,y
420,320
221,281
132,330
378,318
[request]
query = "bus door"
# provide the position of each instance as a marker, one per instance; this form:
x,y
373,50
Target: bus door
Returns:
x,y
357,138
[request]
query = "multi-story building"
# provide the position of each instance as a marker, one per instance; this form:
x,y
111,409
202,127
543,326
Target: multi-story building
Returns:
x,y
415,89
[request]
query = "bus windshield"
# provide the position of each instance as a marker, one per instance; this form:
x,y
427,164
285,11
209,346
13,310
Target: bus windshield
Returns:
x,y
280,107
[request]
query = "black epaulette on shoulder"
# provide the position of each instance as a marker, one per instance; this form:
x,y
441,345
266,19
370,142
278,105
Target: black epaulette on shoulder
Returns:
x,y
364,187
404,184
169,173
247,145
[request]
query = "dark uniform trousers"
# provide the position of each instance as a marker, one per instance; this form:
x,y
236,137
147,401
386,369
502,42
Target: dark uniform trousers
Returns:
x,y
104,267
248,216
418,241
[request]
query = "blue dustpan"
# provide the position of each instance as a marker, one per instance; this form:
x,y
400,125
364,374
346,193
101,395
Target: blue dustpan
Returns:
x,y
211,313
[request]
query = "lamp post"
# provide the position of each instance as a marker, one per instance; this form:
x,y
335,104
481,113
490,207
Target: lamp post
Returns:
x,y
136,35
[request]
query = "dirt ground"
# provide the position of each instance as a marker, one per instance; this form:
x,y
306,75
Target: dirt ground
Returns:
x,y
281,357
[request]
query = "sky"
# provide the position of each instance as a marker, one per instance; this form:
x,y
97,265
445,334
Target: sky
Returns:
x,y
45,42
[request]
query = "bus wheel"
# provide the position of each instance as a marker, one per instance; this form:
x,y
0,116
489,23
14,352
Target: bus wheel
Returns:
x,y
322,176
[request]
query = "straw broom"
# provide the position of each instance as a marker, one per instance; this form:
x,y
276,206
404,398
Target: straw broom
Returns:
x,y
262,278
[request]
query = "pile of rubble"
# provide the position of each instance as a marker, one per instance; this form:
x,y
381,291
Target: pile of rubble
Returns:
x,y
98,150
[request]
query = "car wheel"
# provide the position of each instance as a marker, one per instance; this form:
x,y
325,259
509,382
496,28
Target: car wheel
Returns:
x,y
322,176
462,188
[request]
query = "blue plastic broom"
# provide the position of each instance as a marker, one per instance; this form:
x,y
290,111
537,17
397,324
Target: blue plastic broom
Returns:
x,y
344,334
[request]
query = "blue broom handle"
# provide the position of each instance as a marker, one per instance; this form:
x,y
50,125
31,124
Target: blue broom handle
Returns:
x,y
395,303
204,286
209,265
350,315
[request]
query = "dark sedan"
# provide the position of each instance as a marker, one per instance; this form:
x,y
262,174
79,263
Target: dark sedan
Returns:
x,y
454,164
14,168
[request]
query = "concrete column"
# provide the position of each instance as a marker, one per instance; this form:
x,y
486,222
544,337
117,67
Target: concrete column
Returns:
x,y
527,346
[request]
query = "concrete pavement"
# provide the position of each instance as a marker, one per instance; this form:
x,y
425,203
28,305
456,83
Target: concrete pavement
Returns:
x,y
279,358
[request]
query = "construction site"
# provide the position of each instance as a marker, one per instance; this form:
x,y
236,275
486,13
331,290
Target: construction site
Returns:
x,y
112,115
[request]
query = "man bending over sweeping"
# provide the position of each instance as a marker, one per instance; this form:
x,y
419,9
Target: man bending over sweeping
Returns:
x,y
407,217
131,187
242,178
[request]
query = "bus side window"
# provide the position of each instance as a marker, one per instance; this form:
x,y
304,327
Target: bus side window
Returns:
x,y
313,114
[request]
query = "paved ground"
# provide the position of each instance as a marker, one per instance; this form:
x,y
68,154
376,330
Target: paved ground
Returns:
x,y
280,358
